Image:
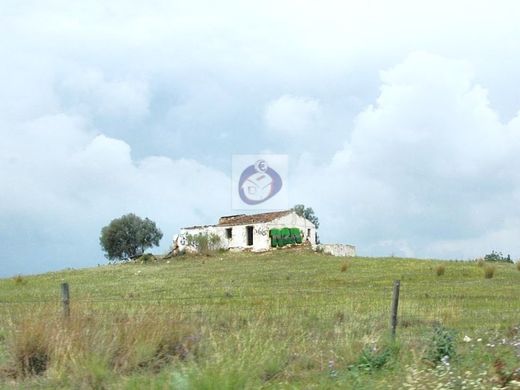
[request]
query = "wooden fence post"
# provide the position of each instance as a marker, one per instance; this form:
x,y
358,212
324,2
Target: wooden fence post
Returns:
x,y
395,304
65,300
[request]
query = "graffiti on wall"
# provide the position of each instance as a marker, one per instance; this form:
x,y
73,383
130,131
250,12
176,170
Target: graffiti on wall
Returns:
x,y
285,236
261,231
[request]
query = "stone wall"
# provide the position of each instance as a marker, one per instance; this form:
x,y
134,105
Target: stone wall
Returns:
x,y
344,250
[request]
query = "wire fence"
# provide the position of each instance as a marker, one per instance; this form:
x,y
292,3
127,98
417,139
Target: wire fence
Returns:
x,y
378,303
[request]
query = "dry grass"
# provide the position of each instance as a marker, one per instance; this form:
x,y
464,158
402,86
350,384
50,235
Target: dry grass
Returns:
x,y
90,347
480,262
489,271
282,319
440,270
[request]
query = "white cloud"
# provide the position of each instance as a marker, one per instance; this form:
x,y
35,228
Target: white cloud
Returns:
x,y
91,95
64,180
292,115
427,168
88,91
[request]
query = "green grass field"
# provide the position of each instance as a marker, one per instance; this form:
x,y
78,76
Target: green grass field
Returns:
x,y
284,319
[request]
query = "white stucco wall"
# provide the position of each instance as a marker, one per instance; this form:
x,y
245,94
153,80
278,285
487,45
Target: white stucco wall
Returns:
x,y
342,250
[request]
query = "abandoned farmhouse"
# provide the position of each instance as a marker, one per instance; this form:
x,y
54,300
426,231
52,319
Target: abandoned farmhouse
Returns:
x,y
257,232
260,232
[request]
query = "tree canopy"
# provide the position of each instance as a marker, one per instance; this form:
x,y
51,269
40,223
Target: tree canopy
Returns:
x,y
307,212
128,237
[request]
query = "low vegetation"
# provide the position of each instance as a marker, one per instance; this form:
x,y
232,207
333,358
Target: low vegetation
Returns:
x,y
440,269
489,271
204,243
283,319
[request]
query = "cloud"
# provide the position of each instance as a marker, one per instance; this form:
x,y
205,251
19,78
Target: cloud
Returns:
x,y
429,167
111,108
292,115
66,181
88,91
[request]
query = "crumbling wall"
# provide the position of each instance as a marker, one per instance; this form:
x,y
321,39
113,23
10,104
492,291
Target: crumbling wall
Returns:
x,y
343,250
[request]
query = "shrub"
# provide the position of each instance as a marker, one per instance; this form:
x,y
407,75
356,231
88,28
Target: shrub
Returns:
x,y
497,257
441,345
344,267
204,243
128,237
440,269
489,271
372,358
28,349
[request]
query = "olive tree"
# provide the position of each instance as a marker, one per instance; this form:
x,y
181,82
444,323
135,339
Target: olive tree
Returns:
x,y
128,237
308,213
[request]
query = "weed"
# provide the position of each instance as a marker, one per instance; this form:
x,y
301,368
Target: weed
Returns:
x,y
503,375
147,258
440,269
441,346
19,280
91,348
344,267
29,349
373,358
489,271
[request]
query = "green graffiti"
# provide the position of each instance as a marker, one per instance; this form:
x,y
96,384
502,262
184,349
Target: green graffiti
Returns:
x,y
285,236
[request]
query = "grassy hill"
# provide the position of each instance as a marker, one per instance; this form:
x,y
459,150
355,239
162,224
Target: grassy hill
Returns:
x,y
283,319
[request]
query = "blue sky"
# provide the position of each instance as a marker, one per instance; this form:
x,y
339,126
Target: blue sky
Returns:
x,y
400,121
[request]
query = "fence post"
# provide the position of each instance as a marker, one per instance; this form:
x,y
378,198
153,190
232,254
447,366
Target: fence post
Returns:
x,y
395,304
65,300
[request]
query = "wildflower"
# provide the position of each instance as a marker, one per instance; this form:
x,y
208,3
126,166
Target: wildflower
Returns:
x,y
445,360
332,372
466,339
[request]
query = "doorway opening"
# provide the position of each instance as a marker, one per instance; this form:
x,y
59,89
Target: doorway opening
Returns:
x,y
249,230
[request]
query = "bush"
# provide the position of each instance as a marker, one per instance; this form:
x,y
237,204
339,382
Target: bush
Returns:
x,y
489,272
344,267
18,279
440,269
128,237
498,257
373,358
442,346
205,243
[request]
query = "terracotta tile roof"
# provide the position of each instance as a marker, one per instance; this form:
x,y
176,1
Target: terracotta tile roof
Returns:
x,y
243,219
198,227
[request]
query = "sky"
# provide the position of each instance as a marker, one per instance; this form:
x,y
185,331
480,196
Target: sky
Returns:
x,y
400,121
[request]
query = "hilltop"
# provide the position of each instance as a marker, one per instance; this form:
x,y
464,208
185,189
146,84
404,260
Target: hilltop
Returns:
x,y
276,319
